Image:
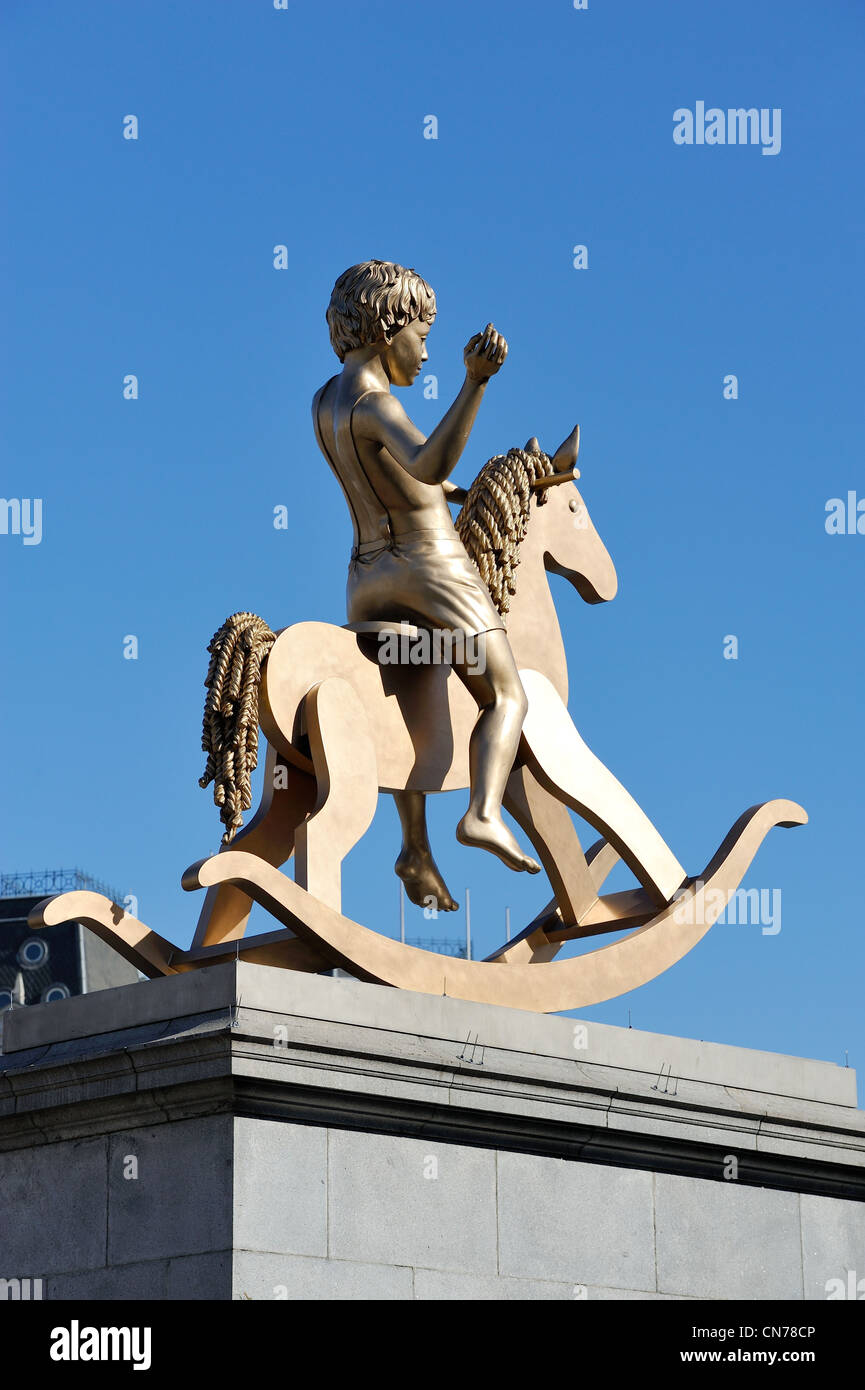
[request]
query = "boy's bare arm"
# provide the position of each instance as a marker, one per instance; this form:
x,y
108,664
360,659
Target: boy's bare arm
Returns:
x,y
382,419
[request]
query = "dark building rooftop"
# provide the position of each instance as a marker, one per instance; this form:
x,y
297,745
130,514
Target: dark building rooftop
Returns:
x,y
43,883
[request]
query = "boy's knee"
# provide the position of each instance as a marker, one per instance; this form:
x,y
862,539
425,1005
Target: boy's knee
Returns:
x,y
507,697
514,697
511,692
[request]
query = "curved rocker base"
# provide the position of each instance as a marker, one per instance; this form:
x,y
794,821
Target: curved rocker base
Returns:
x,y
521,975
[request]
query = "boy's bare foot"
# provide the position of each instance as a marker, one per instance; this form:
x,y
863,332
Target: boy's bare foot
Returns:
x,y
493,834
420,874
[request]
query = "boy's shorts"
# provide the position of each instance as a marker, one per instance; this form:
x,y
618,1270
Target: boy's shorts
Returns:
x,y
424,577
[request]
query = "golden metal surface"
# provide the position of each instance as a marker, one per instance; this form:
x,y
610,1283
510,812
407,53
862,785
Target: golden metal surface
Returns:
x,y
343,723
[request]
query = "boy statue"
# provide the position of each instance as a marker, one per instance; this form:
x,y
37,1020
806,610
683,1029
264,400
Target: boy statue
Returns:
x,y
408,561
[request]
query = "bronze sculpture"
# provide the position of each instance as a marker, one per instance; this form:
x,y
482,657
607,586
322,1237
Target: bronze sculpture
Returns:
x,y
343,724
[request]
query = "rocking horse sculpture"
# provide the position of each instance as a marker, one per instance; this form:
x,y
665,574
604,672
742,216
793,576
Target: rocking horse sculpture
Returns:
x,y
351,711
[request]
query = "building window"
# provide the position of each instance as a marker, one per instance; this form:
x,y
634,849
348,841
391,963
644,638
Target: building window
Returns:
x,y
54,992
32,953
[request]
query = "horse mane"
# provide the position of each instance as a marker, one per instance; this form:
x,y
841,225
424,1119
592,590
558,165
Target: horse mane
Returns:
x,y
494,518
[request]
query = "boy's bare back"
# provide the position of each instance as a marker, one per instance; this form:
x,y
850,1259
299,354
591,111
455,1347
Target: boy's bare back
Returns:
x,y
407,502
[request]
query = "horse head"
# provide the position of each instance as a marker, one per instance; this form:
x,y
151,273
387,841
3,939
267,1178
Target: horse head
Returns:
x,y
561,525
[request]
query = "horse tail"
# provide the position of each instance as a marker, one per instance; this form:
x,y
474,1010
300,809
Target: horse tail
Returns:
x,y
229,735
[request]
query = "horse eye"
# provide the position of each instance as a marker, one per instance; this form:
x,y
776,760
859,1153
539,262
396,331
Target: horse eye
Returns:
x,y
573,504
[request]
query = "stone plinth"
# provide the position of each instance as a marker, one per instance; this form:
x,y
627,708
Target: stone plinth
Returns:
x,y
242,1132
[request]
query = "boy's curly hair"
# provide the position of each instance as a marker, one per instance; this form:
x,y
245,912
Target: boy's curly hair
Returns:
x,y
374,300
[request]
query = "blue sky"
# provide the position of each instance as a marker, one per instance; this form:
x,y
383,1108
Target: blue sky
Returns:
x,y
304,127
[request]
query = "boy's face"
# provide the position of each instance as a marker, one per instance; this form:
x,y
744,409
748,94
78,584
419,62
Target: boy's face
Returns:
x,y
406,353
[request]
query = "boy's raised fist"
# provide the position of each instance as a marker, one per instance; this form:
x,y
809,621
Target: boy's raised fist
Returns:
x,y
484,354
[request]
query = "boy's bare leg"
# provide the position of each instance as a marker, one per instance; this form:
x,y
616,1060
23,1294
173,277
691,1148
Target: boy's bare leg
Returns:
x,y
502,701
415,865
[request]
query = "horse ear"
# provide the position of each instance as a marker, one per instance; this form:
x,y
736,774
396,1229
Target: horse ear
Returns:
x,y
532,446
567,453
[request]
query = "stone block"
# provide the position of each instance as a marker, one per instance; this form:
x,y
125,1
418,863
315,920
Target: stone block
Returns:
x,y
438,1285
575,1222
833,1247
384,1210
122,1283
292,1278
180,1202
725,1240
280,1187
52,1210
205,1278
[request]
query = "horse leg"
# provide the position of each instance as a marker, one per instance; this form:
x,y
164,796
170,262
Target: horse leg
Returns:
x,y
346,774
287,798
415,866
563,763
547,822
